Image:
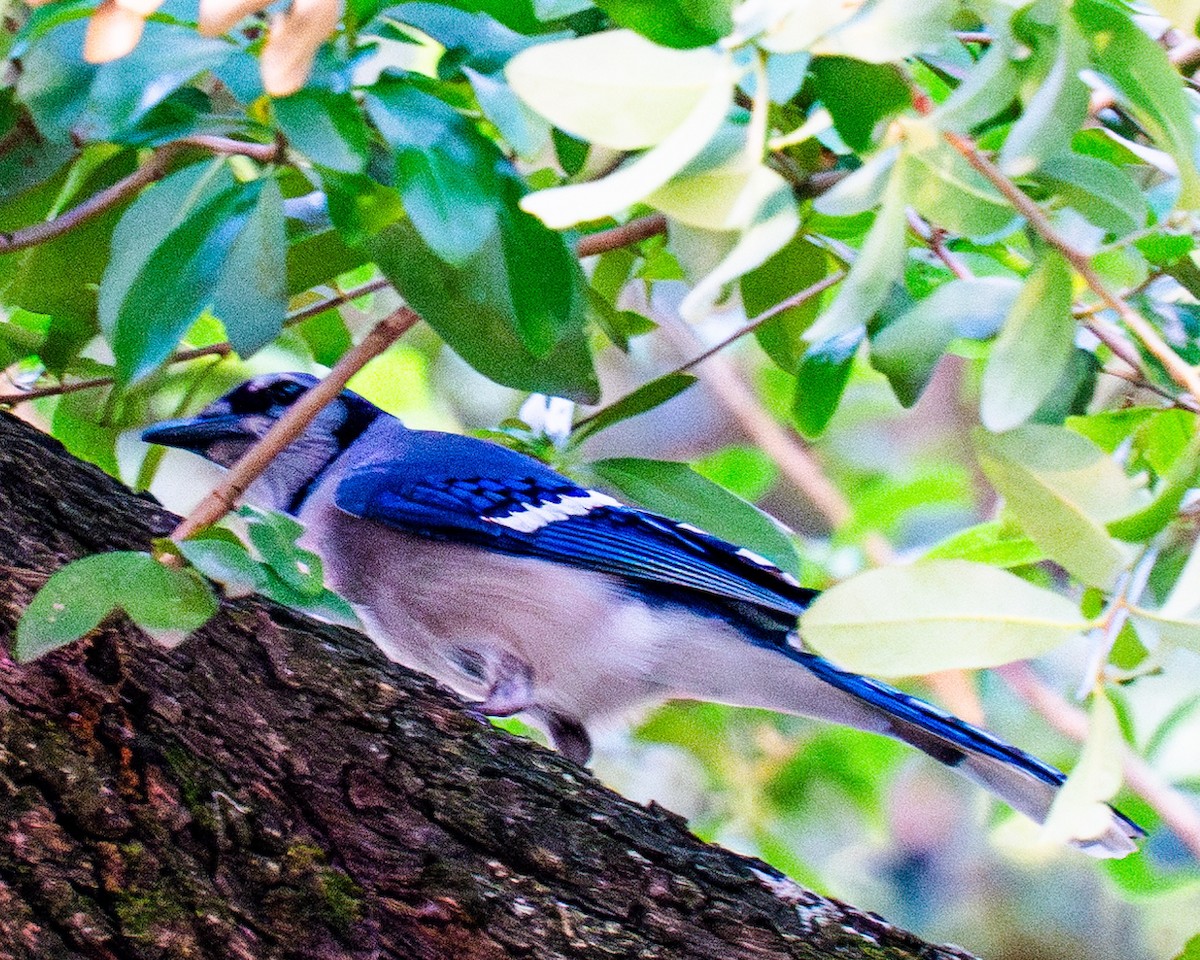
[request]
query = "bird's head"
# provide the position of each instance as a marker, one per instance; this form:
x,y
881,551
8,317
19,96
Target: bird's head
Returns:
x,y
224,430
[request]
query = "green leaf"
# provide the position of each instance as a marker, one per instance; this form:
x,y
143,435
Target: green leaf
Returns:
x,y
318,258
78,597
675,145
673,23
445,169
1109,428
937,615
880,264
1063,489
988,88
274,536
796,267
821,379
1191,949
1177,480
859,96
862,190
907,349
1177,631
647,397
474,309
1033,349
998,543
676,490
81,253
69,98
526,132
773,222
744,470
251,296
1080,810
226,561
472,41
949,193
615,88
1146,83
174,240
1056,100
83,425
326,127
1101,191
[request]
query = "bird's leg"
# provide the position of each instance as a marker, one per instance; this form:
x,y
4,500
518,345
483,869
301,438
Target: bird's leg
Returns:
x,y
510,690
569,737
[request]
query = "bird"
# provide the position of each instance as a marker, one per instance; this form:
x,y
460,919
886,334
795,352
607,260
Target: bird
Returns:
x,y
527,593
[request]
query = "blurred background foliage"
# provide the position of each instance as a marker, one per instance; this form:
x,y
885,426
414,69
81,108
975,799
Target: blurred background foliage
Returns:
x,y
917,278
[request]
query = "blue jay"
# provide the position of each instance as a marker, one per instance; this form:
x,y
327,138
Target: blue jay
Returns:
x,y
530,594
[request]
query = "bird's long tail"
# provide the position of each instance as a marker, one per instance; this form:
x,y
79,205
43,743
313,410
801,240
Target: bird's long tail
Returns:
x,y
1024,782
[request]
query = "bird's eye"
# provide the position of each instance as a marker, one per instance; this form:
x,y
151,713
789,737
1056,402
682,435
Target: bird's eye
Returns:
x,y
286,391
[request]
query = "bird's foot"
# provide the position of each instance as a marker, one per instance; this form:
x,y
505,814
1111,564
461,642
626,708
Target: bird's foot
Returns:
x,y
511,689
569,737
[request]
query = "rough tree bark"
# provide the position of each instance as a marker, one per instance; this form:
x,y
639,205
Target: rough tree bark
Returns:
x,y
275,788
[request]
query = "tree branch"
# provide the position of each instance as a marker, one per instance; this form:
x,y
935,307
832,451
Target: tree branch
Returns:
x,y
153,169
1180,371
625,235
293,423
787,304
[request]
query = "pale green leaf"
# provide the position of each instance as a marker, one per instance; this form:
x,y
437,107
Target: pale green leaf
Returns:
x,y
1055,106
937,615
1080,811
949,193
879,264
862,190
1063,489
1033,349
1177,631
615,88
774,223
561,207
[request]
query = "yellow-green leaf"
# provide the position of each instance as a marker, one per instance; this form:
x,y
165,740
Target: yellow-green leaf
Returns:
x,y
938,615
1080,812
1063,489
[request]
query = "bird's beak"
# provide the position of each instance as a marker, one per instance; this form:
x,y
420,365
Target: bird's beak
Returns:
x,y
197,433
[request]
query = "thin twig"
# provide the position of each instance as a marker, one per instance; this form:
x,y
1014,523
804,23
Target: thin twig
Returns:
x,y
293,423
1184,401
935,238
216,349
153,169
625,235
1180,370
1176,811
787,304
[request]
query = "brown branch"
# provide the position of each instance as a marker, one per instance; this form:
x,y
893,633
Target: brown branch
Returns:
x,y
1176,811
625,235
153,169
787,304
293,423
935,238
1180,371
216,349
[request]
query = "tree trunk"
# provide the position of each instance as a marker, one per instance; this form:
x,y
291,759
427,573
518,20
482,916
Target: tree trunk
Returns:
x,y
276,788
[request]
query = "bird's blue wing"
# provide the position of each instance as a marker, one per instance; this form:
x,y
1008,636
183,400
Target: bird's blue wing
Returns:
x,y
458,488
